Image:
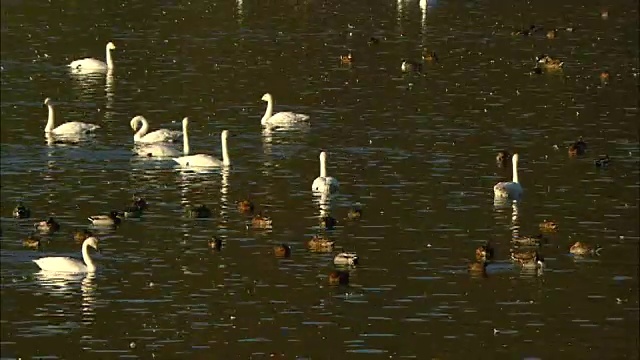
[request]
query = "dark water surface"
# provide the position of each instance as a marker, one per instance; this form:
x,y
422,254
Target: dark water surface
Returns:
x,y
417,151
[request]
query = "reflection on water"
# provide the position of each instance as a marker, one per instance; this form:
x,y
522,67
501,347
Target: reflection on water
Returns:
x,y
69,285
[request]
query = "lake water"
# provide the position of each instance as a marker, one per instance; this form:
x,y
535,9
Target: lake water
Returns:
x,y
417,151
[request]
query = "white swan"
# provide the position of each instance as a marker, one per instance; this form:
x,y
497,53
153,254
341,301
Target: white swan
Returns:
x,y
161,135
163,150
324,183
67,264
94,65
509,189
281,118
203,160
70,128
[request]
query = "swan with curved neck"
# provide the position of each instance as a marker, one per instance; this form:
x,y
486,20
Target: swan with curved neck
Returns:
x,y
509,189
163,150
204,160
67,264
160,135
69,128
281,118
94,65
324,183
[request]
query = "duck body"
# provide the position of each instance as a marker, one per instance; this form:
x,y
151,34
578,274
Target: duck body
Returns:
x,y
338,277
577,148
48,226
245,206
549,226
32,242
485,252
282,251
320,244
528,240
602,161
197,211
354,213
503,158
261,222
82,235
528,259
21,212
548,63
410,66
215,244
580,248
328,222
346,259
111,219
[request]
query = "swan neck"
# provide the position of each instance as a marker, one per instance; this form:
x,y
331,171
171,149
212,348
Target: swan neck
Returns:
x,y
225,152
268,113
515,171
85,256
323,167
109,59
185,139
50,119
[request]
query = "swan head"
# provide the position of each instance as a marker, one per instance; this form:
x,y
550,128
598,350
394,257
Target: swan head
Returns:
x,y
92,241
514,159
135,121
48,101
224,135
323,155
185,121
267,97
110,46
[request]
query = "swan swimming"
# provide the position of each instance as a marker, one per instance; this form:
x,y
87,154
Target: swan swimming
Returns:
x,y
203,160
281,118
163,150
509,189
67,264
94,65
161,135
69,128
324,183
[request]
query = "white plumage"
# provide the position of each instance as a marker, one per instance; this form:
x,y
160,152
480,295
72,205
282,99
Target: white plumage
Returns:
x,y
69,128
67,264
509,189
324,183
164,150
281,118
94,65
158,136
204,160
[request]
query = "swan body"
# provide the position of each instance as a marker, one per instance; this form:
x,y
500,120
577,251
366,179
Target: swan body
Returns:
x,y
204,160
67,264
69,128
324,183
94,65
509,189
161,135
281,118
163,150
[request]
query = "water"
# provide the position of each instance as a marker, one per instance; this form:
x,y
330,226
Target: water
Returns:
x,y
417,151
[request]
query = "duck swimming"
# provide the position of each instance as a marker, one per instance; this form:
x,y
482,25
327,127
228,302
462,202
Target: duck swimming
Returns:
x,y
111,219
197,211
282,251
484,252
215,243
580,248
577,148
338,277
21,212
48,226
549,225
346,259
320,244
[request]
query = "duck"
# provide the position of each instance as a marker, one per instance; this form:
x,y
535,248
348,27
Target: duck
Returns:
x,y
320,244
261,222
580,248
535,71
478,268
48,226
215,243
338,277
602,161
347,59
346,258
536,240
526,32
373,41
604,14
72,128
82,235
245,206
355,213
111,219
139,202
32,241
605,76
94,65
328,222
549,226
130,212
509,189
503,158
549,63
21,211
528,259
197,211
485,252
552,34
430,56
577,148
282,251
410,66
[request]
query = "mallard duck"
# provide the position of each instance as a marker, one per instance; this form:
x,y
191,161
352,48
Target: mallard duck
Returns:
x,y
484,252
346,258
479,267
605,76
347,59
338,277
373,41
130,212
215,243
261,222
503,158
105,220
82,235
32,241
410,66
535,71
604,14
549,63
21,211
578,148
552,34
47,226
528,240
549,225
602,161
328,222
526,32
197,211
528,259
282,251
580,248
139,202
354,213
430,56
320,244
245,206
